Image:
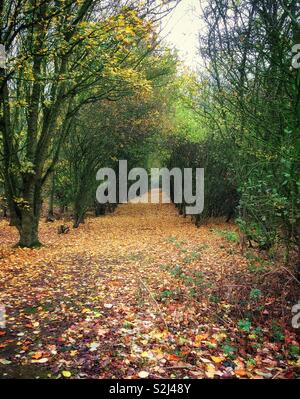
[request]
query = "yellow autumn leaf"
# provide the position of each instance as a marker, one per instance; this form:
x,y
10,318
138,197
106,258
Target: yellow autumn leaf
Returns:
x,y
217,359
210,371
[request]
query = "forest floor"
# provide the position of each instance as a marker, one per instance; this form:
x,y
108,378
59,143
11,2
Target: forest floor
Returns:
x,y
144,293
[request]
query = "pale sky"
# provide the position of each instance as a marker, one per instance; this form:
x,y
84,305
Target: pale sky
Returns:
x,y
182,28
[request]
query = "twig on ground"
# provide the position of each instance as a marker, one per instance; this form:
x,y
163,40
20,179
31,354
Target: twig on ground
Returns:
x,y
155,302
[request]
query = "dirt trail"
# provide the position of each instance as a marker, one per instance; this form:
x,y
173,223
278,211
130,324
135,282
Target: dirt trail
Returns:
x,y
135,291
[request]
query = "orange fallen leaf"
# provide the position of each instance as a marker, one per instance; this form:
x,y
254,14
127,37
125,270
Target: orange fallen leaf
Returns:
x,y
173,358
37,355
240,372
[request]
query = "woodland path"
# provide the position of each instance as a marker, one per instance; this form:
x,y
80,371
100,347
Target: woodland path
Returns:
x,y
132,294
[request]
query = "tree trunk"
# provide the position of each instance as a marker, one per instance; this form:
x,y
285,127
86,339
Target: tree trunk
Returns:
x,y
78,214
29,231
25,215
4,211
78,219
79,208
50,213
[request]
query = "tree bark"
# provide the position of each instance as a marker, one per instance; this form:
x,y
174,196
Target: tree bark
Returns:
x,y
29,231
78,219
28,216
50,213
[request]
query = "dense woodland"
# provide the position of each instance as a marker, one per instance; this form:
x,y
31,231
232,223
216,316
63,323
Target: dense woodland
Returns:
x,y
87,83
